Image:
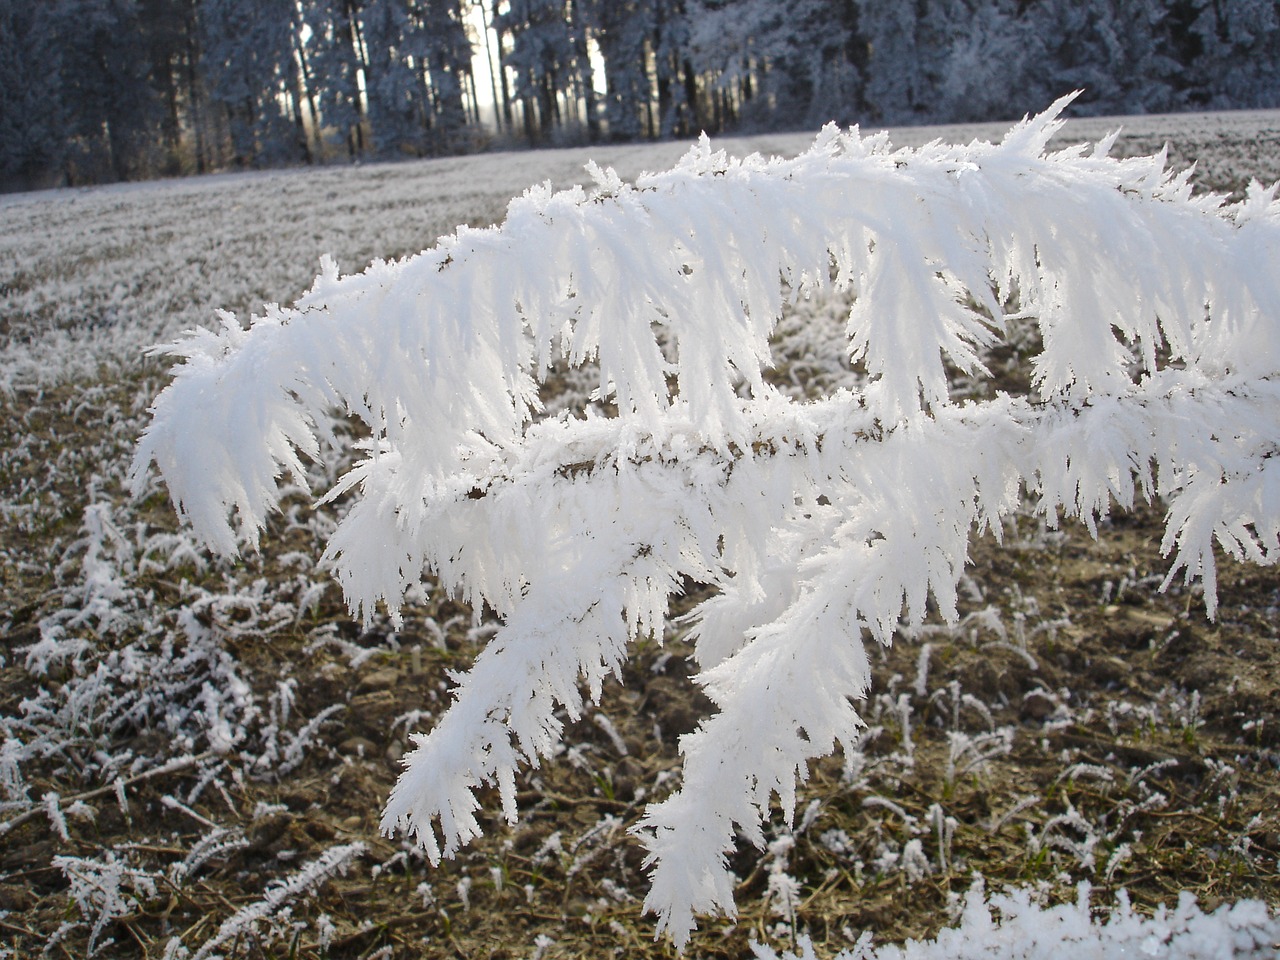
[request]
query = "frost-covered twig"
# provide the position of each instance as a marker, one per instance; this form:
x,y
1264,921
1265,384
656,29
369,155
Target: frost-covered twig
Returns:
x,y
104,890
115,787
333,861
823,523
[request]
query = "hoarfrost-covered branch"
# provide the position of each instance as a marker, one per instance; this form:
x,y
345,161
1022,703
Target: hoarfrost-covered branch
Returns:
x,y
820,524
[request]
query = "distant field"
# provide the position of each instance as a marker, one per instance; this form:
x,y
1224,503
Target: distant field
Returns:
x,y
121,267
181,739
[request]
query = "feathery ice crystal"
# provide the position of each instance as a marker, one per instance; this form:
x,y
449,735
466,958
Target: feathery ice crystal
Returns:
x,y
822,522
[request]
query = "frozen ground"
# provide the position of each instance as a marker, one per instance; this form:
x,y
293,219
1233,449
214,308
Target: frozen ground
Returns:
x,y
192,754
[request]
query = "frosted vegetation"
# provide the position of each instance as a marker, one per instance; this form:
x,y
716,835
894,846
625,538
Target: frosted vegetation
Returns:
x,y
1013,927
820,523
630,405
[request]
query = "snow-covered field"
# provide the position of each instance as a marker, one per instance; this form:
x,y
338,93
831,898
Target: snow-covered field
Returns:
x,y
170,724
115,269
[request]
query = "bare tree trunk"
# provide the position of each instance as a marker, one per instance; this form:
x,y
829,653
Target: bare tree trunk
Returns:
x,y
506,84
309,90
586,72
501,107
356,139
195,97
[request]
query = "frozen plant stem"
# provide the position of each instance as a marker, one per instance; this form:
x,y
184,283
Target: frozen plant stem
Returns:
x,y
822,523
117,787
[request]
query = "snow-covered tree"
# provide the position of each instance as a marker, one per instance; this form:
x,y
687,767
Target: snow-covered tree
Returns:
x,y
1235,53
897,88
399,107
249,50
418,54
1118,51
336,58
677,114
820,524
32,113
823,81
109,106
445,48
622,31
543,58
989,64
798,53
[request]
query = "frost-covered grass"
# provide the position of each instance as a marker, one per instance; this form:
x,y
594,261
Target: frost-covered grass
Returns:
x,y
1014,927
192,753
116,269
